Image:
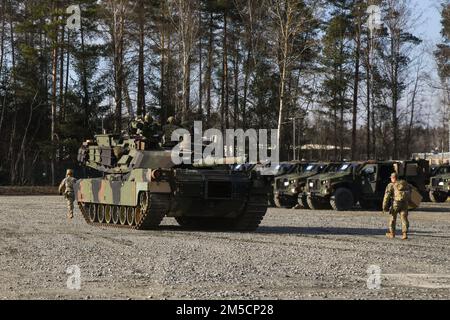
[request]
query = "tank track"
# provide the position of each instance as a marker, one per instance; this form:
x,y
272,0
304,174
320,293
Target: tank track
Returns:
x,y
250,219
157,207
253,214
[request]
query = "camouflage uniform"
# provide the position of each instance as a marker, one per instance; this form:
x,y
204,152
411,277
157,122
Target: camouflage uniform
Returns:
x,y
395,207
151,131
67,188
168,130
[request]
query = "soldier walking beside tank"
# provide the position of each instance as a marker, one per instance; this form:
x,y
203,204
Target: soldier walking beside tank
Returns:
x,y
396,201
66,188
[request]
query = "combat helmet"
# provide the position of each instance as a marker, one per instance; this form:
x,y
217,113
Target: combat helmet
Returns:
x,y
148,118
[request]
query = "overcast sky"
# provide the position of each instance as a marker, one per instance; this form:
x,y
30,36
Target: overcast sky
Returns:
x,y
431,26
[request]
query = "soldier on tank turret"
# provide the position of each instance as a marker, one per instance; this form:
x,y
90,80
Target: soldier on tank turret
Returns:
x,y
168,130
136,126
66,188
151,130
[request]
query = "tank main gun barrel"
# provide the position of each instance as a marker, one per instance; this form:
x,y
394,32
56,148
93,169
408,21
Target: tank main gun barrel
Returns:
x,y
211,162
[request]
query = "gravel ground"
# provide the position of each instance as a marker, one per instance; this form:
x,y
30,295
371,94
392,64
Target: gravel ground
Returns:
x,y
296,254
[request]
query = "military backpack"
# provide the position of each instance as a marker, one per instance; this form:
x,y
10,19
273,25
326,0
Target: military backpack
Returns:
x,y
402,191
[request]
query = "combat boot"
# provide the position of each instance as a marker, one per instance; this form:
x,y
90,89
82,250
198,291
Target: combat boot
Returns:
x,y
390,235
405,236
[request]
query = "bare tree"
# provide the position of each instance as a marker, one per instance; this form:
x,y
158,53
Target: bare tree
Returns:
x,y
117,11
287,21
186,22
395,50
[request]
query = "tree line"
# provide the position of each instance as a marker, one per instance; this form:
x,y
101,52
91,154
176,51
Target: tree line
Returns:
x,y
312,64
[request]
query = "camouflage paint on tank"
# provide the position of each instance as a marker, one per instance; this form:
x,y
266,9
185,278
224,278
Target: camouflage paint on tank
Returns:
x,y
123,193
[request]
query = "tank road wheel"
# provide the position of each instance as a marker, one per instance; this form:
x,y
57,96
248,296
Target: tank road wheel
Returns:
x,y
143,201
137,215
123,215
92,213
101,213
108,214
303,201
438,197
158,205
130,216
115,214
343,200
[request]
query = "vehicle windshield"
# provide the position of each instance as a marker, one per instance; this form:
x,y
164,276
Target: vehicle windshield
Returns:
x,y
277,170
345,167
310,168
443,170
332,168
242,167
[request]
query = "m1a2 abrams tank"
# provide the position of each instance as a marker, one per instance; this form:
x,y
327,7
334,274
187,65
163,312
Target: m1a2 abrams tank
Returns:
x,y
141,186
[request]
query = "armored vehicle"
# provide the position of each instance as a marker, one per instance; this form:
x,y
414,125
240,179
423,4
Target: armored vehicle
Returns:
x,y
289,189
321,189
141,185
271,171
364,183
439,188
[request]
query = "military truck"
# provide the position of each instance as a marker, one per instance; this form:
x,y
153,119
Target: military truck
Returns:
x,y
364,183
141,185
271,171
321,189
289,189
439,187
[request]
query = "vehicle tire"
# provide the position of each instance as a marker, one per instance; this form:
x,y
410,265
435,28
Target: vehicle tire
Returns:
x,y
315,204
303,201
343,200
271,201
438,197
284,204
277,202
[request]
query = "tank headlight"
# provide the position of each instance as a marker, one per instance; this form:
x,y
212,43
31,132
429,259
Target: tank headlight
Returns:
x,y
324,182
441,183
286,183
311,184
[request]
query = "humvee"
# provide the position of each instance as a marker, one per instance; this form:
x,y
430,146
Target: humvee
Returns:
x,y
364,183
289,189
439,187
271,171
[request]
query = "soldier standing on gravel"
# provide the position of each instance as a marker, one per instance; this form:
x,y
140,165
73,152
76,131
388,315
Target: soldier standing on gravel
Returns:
x,y
66,188
396,201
